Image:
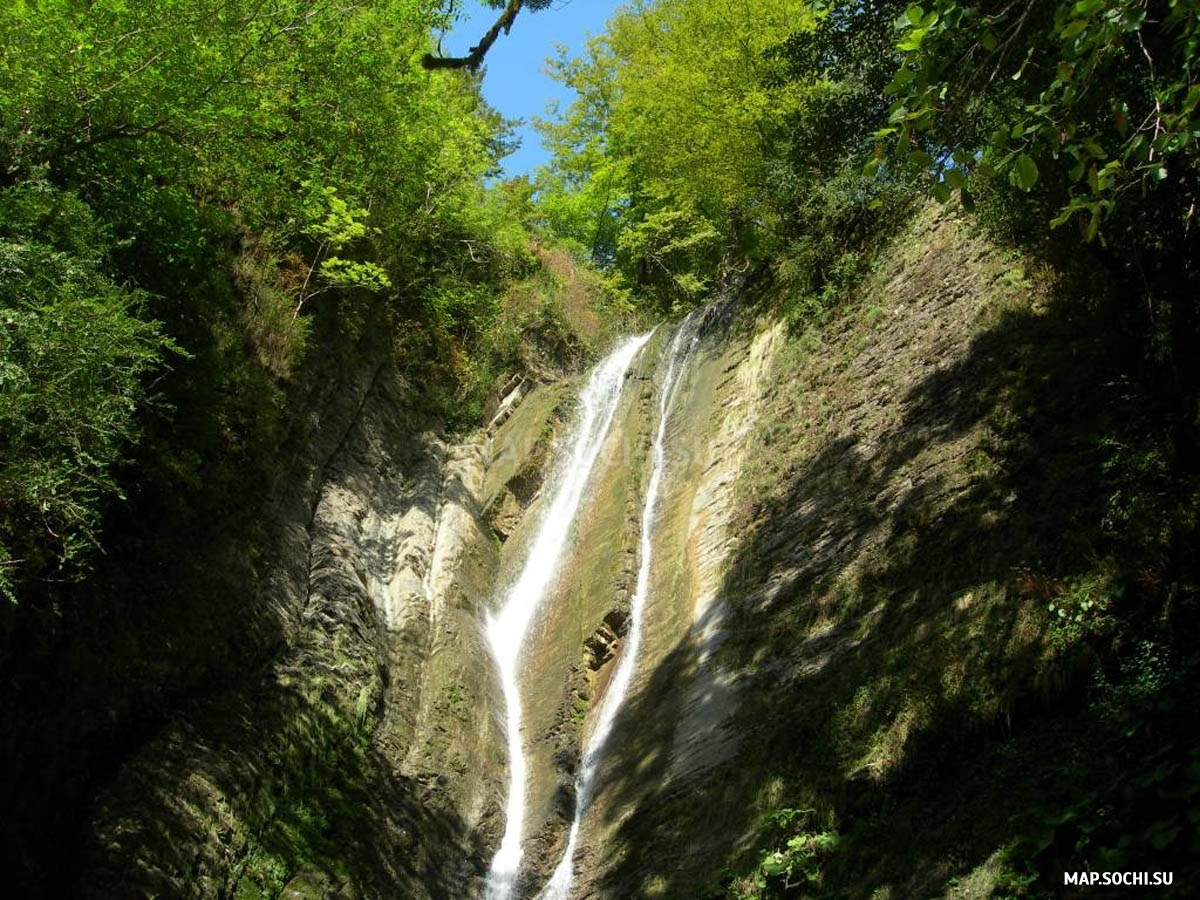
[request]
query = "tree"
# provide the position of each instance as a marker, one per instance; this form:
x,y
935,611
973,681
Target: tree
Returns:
x,y
665,158
248,168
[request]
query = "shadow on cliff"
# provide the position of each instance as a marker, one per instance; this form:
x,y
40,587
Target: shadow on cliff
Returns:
x,y
304,799
197,596
89,679
887,629
173,612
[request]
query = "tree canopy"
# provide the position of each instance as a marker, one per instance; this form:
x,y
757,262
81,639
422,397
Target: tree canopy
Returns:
x,y
185,184
668,149
702,126
1101,94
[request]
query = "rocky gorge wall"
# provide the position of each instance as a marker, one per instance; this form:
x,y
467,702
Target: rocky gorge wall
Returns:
x,y
845,662
369,758
832,594
365,760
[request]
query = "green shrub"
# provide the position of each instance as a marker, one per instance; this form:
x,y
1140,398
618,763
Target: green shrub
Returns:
x,y
74,357
794,865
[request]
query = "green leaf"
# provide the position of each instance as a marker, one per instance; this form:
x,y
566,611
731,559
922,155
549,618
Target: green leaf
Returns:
x,y
1192,100
1164,834
1025,172
919,159
911,41
915,15
774,864
941,191
1074,28
902,77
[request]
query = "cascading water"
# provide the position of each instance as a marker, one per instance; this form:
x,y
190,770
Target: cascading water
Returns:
x,y
507,629
559,886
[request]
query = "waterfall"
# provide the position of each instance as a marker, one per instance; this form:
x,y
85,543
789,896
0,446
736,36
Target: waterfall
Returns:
x,y
559,886
507,629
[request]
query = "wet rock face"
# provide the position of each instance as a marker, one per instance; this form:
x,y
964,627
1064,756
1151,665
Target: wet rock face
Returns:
x,y
677,722
380,719
506,513
802,469
367,762
602,644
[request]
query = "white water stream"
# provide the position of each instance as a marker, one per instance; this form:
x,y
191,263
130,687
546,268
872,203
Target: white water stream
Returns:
x,y
559,886
508,628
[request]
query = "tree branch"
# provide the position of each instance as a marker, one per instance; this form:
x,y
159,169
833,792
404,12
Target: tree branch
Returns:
x,y
473,60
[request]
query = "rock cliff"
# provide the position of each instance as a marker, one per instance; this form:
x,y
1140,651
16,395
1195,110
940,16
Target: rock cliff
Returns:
x,y
836,599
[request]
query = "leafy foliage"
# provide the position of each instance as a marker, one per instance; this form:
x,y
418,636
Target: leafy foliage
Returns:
x,y
664,160
333,223
1102,93
222,175
793,868
74,357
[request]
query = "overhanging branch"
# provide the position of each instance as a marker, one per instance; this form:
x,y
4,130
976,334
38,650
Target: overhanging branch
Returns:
x,y
474,59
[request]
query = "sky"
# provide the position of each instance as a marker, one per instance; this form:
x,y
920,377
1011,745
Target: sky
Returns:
x,y
514,82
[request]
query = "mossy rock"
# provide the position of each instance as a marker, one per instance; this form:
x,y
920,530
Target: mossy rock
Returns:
x,y
312,884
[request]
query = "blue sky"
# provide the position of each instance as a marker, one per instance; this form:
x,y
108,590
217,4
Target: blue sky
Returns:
x,y
514,82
